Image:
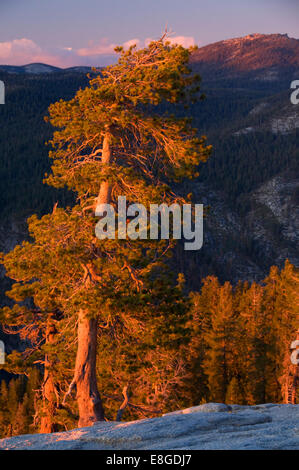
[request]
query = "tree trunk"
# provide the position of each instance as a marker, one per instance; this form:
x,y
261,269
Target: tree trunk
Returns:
x,y
48,424
104,196
88,397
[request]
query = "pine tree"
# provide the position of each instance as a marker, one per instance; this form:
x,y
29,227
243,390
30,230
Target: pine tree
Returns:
x,y
203,306
234,394
256,352
20,420
111,140
286,322
220,340
4,415
270,298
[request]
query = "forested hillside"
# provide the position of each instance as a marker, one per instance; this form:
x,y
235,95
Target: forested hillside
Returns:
x,y
23,134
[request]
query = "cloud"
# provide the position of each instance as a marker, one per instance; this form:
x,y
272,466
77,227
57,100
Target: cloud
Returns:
x,y
18,48
104,47
94,49
24,51
185,41
132,42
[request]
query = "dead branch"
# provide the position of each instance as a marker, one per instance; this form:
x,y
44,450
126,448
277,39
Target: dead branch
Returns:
x,y
70,389
124,403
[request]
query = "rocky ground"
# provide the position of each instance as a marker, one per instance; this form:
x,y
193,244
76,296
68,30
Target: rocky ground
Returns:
x,y
209,426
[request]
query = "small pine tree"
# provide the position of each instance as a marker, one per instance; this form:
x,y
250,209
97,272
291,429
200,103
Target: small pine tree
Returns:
x,y
20,420
234,394
220,341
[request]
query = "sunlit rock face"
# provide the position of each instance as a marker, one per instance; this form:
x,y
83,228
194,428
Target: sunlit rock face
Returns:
x,y
208,426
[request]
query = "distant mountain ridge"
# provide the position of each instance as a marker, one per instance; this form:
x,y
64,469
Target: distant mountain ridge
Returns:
x,y
248,53
39,68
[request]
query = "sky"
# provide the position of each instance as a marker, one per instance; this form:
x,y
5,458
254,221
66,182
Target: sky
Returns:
x,y
66,33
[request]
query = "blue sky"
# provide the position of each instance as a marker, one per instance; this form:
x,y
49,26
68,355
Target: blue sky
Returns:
x,y
84,32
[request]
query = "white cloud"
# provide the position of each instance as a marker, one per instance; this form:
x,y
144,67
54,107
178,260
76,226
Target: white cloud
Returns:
x,y
132,42
185,41
18,48
102,47
24,51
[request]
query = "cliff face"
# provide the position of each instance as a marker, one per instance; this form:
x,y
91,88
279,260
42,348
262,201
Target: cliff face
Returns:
x,y
243,243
